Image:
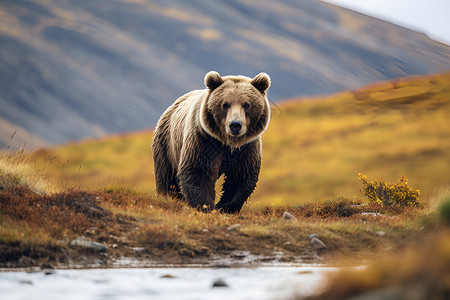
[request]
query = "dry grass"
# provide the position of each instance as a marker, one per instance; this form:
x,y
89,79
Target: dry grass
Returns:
x,y
58,215
171,232
16,170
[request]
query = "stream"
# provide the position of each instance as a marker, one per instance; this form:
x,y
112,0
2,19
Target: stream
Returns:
x,y
165,283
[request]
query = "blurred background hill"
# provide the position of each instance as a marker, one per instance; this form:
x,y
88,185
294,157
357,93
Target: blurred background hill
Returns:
x,y
76,69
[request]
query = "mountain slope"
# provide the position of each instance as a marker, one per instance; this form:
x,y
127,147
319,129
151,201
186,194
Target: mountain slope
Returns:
x,y
73,69
311,149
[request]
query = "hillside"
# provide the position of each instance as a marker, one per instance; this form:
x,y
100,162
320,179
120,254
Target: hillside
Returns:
x,y
311,149
76,69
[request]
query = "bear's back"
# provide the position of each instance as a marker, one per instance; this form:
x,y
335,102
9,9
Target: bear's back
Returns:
x,y
182,120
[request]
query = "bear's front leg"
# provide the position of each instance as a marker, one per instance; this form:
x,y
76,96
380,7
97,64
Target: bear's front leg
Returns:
x,y
197,187
240,180
236,192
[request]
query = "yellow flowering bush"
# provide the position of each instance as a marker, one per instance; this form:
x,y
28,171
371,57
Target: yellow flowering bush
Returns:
x,y
399,194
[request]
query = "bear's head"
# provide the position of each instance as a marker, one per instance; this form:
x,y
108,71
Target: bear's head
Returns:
x,y
235,110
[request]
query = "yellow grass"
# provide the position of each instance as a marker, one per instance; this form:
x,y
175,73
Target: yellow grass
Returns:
x,y
311,149
15,169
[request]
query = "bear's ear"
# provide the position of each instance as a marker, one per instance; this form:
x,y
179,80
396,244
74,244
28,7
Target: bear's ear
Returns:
x,y
213,80
261,82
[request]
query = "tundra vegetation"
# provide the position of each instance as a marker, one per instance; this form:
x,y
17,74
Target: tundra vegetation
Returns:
x,y
313,151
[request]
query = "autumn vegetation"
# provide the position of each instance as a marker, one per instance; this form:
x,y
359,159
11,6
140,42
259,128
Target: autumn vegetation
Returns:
x,y
312,152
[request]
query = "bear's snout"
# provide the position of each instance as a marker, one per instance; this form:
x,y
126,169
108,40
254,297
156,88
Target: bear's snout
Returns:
x,y
235,127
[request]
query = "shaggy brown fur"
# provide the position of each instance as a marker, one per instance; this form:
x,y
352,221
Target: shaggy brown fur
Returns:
x,y
210,132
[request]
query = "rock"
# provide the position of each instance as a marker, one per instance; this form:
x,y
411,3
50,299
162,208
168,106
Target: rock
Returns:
x,y
318,244
27,282
221,266
83,242
138,249
311,236
49,271
288,216
90,231
219,283
380,233
234,227
168,276
238,255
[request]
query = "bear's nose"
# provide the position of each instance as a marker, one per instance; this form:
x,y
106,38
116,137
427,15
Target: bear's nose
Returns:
x,y
235,127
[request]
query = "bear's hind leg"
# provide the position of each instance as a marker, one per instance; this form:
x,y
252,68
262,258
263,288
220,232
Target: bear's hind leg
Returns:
x,y
166,182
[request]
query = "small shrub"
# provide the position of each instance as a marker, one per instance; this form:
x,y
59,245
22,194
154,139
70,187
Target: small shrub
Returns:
x,y
399,194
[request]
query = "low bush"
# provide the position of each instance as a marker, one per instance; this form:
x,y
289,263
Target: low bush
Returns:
x,y
399,194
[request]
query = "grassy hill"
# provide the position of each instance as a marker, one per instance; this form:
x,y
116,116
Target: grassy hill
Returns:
x,y
311,150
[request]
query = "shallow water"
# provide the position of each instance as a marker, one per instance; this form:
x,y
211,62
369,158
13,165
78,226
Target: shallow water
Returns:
x,y
189,283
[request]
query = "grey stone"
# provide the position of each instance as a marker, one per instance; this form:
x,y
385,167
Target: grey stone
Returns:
x,y
219,283
234,227
138,249
318,244
311,236
49,271
288,216
218,266
380,233
83,242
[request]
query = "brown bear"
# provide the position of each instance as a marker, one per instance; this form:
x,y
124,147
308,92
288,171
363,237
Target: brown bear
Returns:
x,y
210,132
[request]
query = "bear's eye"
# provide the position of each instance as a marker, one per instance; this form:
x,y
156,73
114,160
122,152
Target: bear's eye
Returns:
x,y
226,105
245,105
